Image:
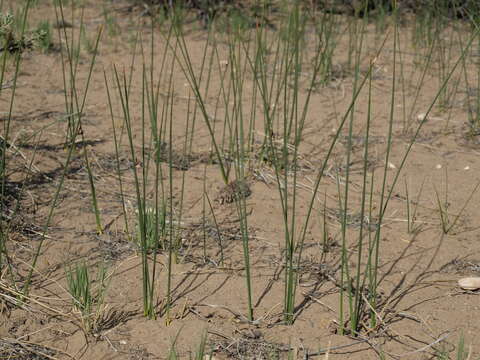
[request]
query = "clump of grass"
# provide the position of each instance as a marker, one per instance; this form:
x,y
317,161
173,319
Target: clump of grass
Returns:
x,y
155,222
155,227
87,296
282,153
44,36
140,190
461,352
200,352
8,37
15,38
6,23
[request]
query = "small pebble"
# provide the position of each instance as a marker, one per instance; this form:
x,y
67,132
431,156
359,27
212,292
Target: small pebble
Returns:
x,y
438,166
469,283
421,117
391,165
466,168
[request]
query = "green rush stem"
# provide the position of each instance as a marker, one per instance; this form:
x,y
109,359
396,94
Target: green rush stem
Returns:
x,y
124,99
117,154
345,271
385,169
170,245
359,288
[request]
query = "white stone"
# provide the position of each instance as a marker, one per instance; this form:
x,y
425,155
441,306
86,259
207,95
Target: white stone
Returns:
x,y
469,283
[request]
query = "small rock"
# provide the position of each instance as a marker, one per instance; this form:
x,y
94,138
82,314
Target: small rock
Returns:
x,y
421,117
469,283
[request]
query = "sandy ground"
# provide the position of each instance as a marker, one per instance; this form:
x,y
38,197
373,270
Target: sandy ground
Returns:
x,y
423,311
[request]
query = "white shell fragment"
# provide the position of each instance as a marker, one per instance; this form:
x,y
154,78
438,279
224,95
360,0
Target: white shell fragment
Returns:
x,y
466,168
391,165
469,283
438,166
421,117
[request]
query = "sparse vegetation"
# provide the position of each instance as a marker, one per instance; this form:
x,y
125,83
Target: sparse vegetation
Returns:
x,y
87,297
267,172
